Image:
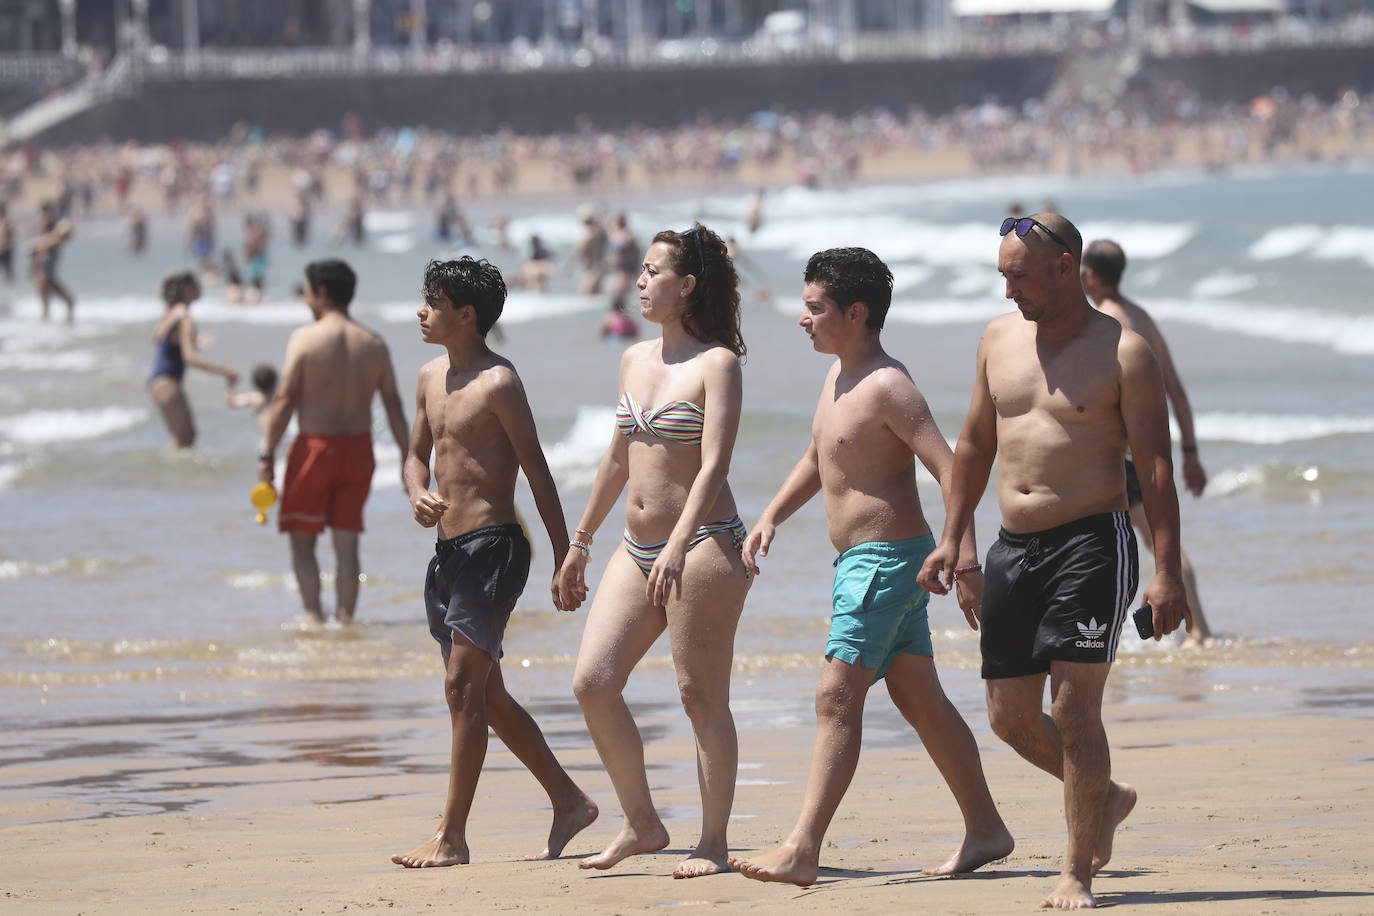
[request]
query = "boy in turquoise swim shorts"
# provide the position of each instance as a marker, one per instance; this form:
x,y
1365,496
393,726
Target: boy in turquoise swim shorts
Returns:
x,y
871,424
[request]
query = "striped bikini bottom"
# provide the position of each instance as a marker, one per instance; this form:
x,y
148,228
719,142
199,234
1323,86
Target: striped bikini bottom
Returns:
x,y
644,555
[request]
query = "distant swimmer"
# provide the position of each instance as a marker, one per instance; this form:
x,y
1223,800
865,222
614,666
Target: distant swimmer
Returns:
x,y
200,235
257,232
137,230
618,325
871,425
591,251
472,414
1060,392
175,340
624,261
45,252
753,217
334,368
536,268
1103,264
6,242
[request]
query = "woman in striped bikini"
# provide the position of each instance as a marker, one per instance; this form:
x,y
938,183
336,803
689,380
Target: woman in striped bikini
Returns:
x,y
678,567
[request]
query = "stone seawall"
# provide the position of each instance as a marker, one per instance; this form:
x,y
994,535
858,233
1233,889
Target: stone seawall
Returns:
x,y
467,103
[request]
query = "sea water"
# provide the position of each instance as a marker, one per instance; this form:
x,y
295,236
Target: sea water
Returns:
x,y
136,592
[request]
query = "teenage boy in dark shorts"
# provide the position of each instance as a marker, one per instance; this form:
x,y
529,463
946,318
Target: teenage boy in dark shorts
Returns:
x,y
472,413
871,425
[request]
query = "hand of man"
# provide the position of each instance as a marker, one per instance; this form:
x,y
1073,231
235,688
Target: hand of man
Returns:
x,y
1194,477
1166,596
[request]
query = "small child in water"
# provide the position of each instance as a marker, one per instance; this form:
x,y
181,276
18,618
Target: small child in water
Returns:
x,y
257,400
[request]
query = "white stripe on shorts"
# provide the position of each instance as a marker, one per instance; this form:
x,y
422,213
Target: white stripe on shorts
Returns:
x,y
1122,523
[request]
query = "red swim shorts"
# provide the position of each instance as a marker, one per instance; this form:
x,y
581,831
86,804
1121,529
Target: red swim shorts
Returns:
x,y
327,482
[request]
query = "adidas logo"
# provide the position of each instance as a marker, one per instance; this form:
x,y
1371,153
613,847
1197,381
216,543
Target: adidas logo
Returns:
x,y
1092,635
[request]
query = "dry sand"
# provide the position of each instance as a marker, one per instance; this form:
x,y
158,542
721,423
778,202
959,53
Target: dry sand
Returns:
x,y
1236,815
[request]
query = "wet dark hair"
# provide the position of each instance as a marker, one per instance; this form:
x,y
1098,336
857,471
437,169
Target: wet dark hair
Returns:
x,y
264,378
712,314
1106,259
335,278
468,281
174,286
852,275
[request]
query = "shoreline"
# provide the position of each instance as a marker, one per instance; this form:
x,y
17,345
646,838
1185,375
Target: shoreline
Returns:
x,y
1197,837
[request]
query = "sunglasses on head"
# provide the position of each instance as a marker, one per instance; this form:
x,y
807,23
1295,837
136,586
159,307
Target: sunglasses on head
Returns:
x,y
1025,224
695,233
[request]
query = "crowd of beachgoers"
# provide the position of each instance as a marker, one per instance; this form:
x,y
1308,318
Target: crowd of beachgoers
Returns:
x,y
1147,129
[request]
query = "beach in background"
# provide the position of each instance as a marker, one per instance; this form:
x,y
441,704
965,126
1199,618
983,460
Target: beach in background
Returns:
x,y
165,715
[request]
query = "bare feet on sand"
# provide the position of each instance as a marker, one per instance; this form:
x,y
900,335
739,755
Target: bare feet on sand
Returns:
x,y
702,862
975,853
629,843
1121,800
437,852
1069,895
786,864
567,823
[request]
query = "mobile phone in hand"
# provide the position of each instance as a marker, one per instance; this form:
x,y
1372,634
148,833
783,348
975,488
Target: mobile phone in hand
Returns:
x,y
1144,617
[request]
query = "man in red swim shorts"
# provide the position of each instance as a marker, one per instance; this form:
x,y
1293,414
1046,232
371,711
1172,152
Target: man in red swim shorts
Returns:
x,y
333,369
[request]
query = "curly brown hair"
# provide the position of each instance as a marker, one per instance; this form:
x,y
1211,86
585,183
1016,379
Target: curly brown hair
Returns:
x,y
712,314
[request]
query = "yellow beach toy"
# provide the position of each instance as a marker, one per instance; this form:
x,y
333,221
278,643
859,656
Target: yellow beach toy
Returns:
x,y
263,497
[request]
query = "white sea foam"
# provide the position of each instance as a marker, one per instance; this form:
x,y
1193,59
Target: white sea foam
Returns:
x,y
934,311
1285,241
377,221
41,361
1224,283
574,459
907,276
1233,480
555,230
8,474
1353,334
40,427
977,282
1146,241
256,580
395,243
1272,429
96,316
387,474
1356,242
948,311
1326,243
520,307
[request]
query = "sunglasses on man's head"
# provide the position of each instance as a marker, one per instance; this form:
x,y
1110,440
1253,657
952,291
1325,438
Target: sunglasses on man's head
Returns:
x,y
1025,224
695,233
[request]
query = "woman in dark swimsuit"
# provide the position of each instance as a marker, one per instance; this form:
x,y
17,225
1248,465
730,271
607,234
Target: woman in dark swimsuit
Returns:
x,y
175,339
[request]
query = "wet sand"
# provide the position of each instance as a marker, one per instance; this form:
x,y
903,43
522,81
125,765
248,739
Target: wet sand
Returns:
x,y
1236,815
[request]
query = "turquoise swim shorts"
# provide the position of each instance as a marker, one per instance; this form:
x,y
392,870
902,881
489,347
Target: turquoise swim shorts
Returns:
x,y
879,610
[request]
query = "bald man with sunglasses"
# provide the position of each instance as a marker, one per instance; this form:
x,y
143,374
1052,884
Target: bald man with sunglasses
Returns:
x,y
1061,391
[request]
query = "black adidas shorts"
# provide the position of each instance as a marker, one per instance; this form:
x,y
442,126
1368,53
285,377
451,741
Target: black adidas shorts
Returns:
x,y
1057,595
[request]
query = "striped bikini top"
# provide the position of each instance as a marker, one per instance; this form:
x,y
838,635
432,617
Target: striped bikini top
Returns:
x,y
681,421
